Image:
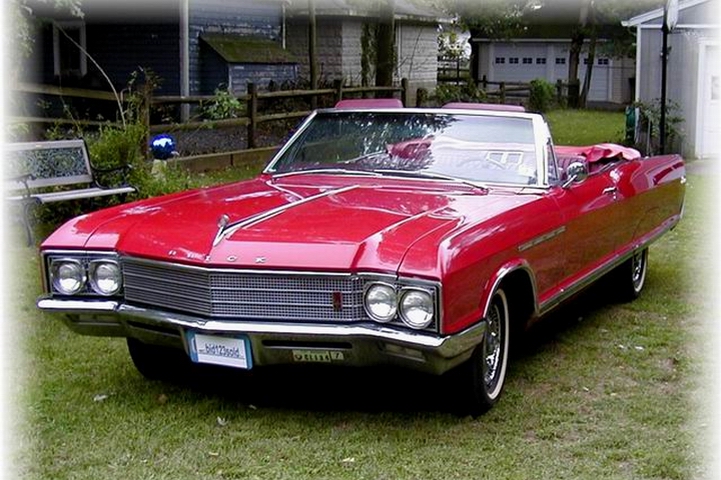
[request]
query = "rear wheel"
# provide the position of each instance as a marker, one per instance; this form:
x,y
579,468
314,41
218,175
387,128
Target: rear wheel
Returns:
x,y
482,378
630,277
157,362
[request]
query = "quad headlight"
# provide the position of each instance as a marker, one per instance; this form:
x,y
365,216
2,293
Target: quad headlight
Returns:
x,y
415,307
87,275
381,302
68,276
105,277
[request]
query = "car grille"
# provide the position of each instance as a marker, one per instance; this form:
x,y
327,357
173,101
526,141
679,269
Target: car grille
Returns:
x,y
242,294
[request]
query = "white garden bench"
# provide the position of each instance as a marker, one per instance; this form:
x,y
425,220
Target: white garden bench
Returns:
x,y
54,171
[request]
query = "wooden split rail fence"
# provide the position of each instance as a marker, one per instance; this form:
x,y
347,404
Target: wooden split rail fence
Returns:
x,y
252,118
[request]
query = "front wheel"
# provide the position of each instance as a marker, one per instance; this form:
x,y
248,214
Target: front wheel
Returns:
x,y
482,378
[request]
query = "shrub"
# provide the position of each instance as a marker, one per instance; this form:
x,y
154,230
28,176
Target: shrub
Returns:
x,y
224,105
541,95
468,92
650,121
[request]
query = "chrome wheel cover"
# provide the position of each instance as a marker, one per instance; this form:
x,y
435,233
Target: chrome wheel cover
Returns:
x,y
492,347
638,270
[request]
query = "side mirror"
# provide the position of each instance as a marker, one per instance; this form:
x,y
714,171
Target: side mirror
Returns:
x,y
576,172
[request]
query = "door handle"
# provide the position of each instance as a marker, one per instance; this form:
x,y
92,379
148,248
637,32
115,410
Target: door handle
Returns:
x,y
611,190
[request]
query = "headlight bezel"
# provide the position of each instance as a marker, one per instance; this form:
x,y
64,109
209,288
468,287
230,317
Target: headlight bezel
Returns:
x,y
403,287
88,263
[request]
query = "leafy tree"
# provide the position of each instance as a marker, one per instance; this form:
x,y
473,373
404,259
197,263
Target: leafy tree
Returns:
x,y
20,13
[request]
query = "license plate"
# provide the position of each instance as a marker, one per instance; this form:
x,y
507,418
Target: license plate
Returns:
x,y
227,351
318,356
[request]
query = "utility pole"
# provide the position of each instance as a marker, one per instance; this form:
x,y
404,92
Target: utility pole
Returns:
x,y
670,17
312,52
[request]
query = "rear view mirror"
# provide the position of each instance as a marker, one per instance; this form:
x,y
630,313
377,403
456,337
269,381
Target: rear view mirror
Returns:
x,y
575,173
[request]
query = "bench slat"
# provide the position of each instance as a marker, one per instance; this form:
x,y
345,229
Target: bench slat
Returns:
x,y
51,197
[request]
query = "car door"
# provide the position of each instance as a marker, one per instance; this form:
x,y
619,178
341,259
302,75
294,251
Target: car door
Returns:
x,y
591,219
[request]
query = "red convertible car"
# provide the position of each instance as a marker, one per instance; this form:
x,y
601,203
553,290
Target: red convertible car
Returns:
x,y
421,238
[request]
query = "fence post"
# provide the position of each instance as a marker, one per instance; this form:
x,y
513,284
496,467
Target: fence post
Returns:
x,y
421,95
573,93
404,91
559,91
338,86
147,94
252,113
502,90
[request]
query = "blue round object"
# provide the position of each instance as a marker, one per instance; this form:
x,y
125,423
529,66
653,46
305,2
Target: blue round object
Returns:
x,y
162,147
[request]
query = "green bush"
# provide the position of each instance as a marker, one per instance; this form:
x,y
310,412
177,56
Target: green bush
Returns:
x,y
224,106
541,95
650,116
448,92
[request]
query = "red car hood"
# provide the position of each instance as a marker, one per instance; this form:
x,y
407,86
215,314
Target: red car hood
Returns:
x,y
337,227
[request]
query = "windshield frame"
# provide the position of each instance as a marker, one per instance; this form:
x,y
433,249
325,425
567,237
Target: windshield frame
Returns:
x,y
541,135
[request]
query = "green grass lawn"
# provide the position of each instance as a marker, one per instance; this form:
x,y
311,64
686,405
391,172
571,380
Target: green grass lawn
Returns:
x,y
585,127
601,391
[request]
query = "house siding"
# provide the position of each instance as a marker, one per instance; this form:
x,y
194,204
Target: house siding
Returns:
x,y
417,46
340,52
683,83
329,45
259,19
260,74
352,51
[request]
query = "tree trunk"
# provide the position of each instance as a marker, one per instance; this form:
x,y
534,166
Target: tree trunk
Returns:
x,y
312,52
574,55
367,53
589,70
385,42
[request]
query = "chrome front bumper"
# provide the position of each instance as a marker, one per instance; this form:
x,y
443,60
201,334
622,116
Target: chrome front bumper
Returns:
x,y
273,343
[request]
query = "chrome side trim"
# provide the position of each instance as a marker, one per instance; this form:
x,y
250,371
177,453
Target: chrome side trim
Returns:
x,y
541,238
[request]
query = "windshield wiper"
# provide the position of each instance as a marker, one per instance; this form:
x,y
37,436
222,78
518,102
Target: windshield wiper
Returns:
x,y
432,175
333,171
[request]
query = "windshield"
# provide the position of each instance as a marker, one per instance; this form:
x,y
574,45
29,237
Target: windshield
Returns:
x,y
477,148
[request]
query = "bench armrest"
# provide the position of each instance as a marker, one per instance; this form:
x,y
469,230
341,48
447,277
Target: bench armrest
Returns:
x,y
24,180
123,171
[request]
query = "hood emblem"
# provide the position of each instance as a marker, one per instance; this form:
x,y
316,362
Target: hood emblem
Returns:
x,y
260,259
222,223
232,258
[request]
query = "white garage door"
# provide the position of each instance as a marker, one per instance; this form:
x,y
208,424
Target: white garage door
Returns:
x,y
600,77
523,62
519,63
